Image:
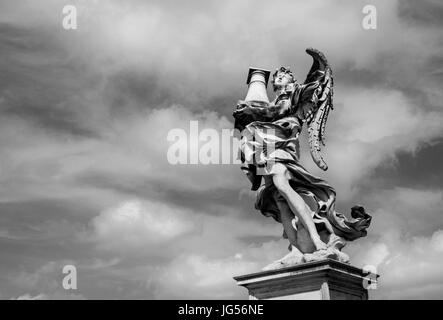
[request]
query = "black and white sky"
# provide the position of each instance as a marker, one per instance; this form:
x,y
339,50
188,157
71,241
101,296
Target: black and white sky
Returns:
x,y
84,116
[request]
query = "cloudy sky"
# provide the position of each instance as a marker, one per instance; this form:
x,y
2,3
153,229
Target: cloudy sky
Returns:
x,y
84,116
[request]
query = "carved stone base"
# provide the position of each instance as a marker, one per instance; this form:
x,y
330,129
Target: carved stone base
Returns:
x,y
318,280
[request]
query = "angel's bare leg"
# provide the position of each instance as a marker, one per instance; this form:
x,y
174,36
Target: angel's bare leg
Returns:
x,y
295,256
296,203
286,217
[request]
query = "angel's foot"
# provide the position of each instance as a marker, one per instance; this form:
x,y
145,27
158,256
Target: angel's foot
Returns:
x,y
292,258
321,255
342,257
320,245
273,266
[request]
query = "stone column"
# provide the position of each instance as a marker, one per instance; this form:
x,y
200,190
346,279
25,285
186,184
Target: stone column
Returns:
x,y
257,82
319,280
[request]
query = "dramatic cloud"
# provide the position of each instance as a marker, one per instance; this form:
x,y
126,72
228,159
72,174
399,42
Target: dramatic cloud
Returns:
x,y
139,225
370,128
405,244
84,120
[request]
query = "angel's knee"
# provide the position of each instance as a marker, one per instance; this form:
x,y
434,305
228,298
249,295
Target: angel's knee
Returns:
x,y
281,182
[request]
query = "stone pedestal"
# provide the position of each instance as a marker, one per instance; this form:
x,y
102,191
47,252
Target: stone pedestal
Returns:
x,y
319,280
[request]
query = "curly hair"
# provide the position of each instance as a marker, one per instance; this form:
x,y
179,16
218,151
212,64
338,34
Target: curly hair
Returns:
x,y
285,70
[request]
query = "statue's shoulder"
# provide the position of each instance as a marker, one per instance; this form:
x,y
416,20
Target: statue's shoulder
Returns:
x,y
296,91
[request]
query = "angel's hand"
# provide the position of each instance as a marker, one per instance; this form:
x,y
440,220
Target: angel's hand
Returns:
x,y
247,110
243,107
242,104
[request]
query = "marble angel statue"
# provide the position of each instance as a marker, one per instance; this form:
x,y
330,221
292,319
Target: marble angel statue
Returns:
x,y
303,203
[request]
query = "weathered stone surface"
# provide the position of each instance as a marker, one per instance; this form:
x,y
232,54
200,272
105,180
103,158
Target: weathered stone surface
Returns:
x,y
270,155
318,280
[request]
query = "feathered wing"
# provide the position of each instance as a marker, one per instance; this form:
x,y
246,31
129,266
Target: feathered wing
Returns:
x,y
315,102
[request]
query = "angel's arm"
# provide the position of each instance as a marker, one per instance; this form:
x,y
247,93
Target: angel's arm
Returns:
x,y
264,113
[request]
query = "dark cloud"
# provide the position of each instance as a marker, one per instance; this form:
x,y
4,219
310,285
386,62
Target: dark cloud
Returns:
x,y
422,169
84,115
426,13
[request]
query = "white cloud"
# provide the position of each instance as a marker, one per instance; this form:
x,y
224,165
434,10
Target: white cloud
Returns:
x,y
139,224
375,255
408,211
197,276
367,128
436,241
404,244
414,270
44,283
27,296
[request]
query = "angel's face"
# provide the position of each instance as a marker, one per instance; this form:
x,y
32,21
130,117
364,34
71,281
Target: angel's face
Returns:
x,y
282,79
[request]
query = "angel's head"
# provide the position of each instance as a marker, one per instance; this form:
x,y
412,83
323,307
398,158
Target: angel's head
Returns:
x,y
282,77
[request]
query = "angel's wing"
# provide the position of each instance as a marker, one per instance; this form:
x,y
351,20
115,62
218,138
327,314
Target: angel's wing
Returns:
x,y
315,103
